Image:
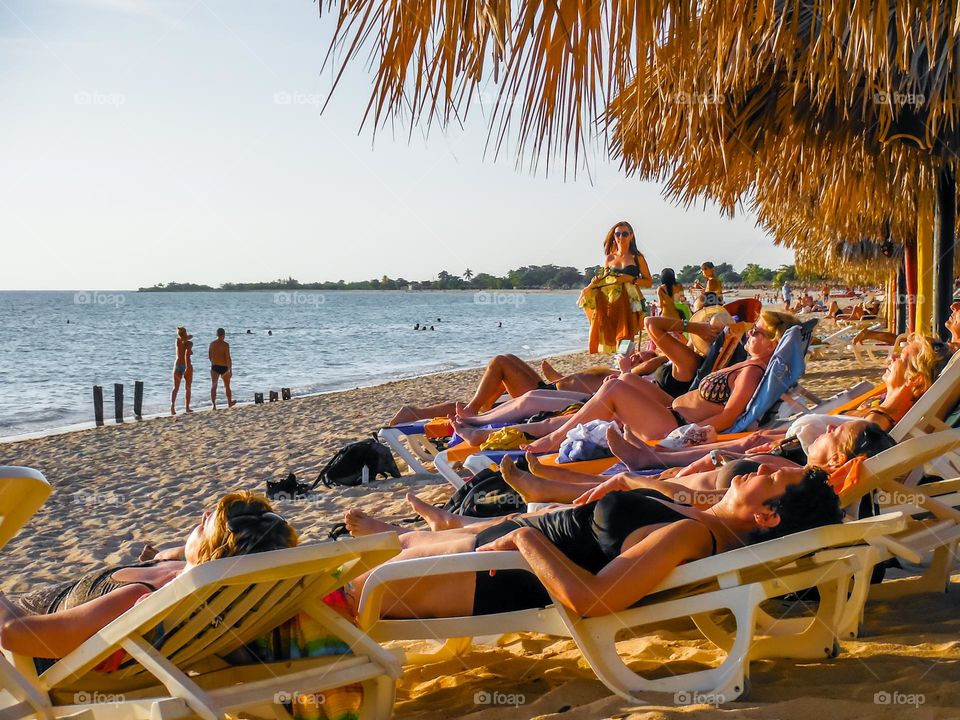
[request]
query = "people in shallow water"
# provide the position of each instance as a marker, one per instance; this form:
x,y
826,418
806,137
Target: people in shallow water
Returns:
x,y
417,326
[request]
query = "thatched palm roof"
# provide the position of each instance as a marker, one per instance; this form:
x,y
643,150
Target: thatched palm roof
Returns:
x,y
823,117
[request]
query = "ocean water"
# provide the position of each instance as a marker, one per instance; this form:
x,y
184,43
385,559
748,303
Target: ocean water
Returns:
x,y
55,346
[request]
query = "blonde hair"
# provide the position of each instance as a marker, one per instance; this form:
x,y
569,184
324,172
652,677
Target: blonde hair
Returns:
x,y
928,361
777,322
244,523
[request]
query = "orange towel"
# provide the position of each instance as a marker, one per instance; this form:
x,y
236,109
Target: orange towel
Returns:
x,y
438,428
847,476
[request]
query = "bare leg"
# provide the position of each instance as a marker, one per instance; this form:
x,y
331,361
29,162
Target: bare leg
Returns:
x,y
504,373
522,407
213,388
359,523
558,473
628,399
188,380
549,372
635,457
173,395
411,413
534,489
226,386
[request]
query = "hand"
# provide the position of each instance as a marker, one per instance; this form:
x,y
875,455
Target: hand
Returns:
x,y
761,449
708,331
507,542
617,482
625,363
149,552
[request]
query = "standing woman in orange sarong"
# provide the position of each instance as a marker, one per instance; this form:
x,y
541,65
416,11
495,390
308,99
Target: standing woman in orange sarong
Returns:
x,y
613,300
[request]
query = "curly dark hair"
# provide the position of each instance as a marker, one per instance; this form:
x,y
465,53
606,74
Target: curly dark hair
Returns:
x,y
807,504
870,441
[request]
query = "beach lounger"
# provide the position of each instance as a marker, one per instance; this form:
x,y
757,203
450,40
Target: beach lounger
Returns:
x,y
175,638
736,582
410,442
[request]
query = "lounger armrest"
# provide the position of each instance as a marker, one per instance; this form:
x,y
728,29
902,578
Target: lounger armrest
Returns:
x,y
371,599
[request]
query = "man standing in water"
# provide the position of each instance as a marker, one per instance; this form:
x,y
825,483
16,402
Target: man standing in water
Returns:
x,y
182,368
220,366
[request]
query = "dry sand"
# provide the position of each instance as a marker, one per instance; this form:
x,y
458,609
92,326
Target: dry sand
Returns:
x,y
118,487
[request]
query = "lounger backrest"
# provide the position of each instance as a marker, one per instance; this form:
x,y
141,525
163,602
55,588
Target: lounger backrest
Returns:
x,y
22,491
219,606
785,368
929,411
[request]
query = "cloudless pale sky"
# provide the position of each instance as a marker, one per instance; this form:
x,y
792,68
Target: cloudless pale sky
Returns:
x,y
147,141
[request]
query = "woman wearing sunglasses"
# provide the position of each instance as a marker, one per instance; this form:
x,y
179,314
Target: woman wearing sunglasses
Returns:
x,y
651,413
613,300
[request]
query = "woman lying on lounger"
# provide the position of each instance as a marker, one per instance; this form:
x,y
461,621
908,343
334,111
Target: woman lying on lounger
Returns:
x,y
509,374
53,621
651,413
604,556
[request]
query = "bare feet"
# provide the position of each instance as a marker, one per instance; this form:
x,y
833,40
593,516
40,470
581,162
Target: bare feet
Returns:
x,y
524,483
534,464
437,518
543,445
408,413
549,372
359,524
231,403
188,410
473,435
173,410
635,457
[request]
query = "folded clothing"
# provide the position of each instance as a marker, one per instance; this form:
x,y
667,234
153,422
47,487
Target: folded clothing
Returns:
x,y
586,442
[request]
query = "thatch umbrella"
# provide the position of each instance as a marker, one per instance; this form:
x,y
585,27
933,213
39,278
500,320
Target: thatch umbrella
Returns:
x,y
808,106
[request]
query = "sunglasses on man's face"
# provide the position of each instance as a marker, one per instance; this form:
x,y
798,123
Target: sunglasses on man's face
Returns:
x,y
757,330
622,233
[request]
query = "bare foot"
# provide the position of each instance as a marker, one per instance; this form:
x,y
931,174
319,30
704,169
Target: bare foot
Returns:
x,y
549,372
231,403
408,413
534,464
437,518
188,410
473,435
523,482
635,457
359,524
543,445
466,414
173,410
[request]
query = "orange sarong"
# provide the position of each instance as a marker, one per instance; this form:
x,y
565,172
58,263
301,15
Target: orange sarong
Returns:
x,y
615,308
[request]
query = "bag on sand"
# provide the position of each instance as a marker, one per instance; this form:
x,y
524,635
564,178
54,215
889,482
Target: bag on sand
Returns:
x,y
486,495
358,463
287,489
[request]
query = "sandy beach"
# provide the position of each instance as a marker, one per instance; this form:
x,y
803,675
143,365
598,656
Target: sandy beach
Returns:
x,y
119,487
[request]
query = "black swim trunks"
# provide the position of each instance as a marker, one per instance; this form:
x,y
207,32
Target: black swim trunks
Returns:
x,y
219,369
546,386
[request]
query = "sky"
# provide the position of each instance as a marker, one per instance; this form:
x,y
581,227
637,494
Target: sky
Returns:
x,y
147,141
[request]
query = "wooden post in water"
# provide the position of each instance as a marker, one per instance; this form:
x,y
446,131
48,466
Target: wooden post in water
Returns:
x,y
285,393
138,399
274,396
118,401
258,398
98,404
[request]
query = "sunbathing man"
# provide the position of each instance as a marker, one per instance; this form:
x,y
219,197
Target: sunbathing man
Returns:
x,y
604,556
53,621
221,366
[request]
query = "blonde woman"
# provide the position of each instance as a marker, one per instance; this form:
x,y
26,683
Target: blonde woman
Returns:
x,y
182,369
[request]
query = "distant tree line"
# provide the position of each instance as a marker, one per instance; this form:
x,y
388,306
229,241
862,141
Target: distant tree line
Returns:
x,y
529,277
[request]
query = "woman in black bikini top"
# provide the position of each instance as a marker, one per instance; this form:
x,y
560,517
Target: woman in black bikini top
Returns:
x,y
591,558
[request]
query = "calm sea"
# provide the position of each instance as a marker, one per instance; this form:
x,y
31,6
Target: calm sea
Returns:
x,y
55,346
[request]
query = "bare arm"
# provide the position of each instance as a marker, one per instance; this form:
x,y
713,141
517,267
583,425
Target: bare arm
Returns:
x,y
625,580
645,279
57,634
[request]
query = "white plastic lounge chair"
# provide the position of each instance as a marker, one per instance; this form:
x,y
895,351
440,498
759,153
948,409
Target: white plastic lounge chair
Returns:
x,y
737,581
411,444
22,491
175,638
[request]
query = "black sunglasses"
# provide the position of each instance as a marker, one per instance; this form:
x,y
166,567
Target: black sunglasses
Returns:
x,y
622,233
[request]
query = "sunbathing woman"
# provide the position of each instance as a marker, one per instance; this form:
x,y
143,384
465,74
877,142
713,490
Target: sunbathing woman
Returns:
x,y
652,413
604,556
53,621
910,372
509,374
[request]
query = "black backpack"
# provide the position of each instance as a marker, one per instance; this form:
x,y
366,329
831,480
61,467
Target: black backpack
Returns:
x,y
350,463
486,495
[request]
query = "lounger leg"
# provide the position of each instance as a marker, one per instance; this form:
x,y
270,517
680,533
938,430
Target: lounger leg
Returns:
x,y
935,579
451,648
